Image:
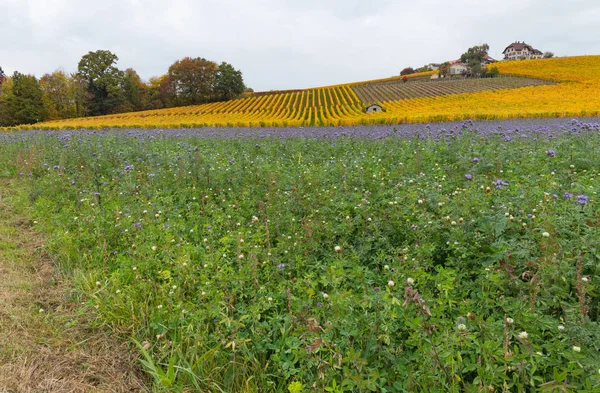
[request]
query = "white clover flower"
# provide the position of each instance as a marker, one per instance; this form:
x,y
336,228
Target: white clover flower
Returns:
x,y
386,267
420,201
410,281
41,310
545,234
98,283
154,248
337,249
523,335
576,348
585,279
325,296
462,327
561,328
241,256
391,283
540,353
160,306
270,299
510,321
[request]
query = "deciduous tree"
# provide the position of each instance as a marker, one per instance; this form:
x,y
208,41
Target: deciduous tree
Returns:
x,y
158,92
25,103
58,96
229,82
407,71
548,55
444,69
104,81
475,54
136,92
5,93
192,80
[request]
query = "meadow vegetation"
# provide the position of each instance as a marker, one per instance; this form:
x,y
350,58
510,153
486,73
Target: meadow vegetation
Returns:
x,y
460,257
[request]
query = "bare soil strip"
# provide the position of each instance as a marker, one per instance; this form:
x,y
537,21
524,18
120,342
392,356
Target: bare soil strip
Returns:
x,y
45,344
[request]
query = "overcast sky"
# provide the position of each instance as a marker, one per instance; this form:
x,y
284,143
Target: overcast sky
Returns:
x,y
285,44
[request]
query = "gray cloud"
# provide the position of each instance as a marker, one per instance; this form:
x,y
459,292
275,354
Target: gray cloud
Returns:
x,y
282,44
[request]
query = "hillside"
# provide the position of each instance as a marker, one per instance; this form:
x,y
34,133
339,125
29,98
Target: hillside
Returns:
x,y
537,88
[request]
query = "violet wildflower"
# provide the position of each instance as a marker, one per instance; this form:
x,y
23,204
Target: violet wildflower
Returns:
x,y
468,176
567,195
582,199
281,266
551,152
500,183
475,159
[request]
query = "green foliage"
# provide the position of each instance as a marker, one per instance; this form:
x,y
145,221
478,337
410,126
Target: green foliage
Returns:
x,y
444,69
475,54
192,80
104,81
219,256
407,71
136,92
229,82
59,94
25,103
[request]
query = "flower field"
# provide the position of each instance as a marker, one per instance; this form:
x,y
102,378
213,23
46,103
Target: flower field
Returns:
x,y
450,257
575,92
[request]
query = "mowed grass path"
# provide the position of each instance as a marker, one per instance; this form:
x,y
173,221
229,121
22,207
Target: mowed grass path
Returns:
x,y
44,345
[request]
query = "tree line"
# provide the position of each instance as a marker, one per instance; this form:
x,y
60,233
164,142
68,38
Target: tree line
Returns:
x,y
100,88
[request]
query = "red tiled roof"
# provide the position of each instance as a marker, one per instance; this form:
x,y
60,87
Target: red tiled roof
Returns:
x,y
519,46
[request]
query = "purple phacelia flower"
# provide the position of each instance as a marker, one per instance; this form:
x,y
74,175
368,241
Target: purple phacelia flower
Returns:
x,y
583,199
500,183
281,266
475,159
551,152
567,195
468,176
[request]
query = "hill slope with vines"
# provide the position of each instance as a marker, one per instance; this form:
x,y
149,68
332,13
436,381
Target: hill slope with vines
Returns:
x,y
534,88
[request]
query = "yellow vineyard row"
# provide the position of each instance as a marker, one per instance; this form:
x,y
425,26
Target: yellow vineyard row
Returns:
x,y
576,94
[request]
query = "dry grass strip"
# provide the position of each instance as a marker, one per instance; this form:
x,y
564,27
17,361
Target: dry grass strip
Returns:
x,y
45,343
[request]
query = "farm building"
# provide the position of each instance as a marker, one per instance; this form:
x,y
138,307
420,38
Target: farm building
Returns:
x,y
374,108
458,69
521,50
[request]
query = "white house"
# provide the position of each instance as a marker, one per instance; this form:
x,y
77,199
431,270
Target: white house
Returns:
x,y
458,69
521,50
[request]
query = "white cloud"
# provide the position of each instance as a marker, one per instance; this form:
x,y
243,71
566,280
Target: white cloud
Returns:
x,y
285,43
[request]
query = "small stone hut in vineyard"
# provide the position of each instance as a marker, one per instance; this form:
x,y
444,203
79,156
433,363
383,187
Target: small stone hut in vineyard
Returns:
x,y
374,108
